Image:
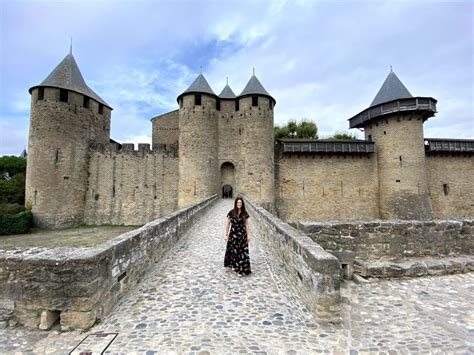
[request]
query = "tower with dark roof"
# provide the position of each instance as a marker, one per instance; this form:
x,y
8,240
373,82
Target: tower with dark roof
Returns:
x,y
197,142
256,141
225,142
394,121
66,116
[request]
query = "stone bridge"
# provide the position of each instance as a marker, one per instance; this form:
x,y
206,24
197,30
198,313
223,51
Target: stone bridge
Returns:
x,y
163,289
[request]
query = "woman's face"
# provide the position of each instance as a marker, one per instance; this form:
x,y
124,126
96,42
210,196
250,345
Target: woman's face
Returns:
x,y
239,203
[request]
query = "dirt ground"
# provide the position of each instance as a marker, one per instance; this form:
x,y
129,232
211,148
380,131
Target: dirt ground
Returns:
x,y
87,236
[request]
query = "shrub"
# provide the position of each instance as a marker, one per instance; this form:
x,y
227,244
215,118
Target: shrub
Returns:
x,y
11,208
15,223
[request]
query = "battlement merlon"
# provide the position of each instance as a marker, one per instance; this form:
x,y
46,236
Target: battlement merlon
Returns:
x,y
129,148
424,106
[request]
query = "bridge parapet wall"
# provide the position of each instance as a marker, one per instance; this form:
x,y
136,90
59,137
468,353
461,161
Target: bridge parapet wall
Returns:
x,y
313,273
359,241
82,285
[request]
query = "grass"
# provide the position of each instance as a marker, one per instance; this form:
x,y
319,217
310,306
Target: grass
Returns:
x,y
82,236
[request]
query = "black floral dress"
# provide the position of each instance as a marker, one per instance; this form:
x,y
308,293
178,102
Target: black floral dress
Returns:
x,y
237,252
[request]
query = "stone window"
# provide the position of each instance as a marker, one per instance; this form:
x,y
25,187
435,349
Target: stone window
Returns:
x,y
270,103
197,100
218,104
63,95
446,189
255,100
101,109
237,105
40,93
181,103
86,102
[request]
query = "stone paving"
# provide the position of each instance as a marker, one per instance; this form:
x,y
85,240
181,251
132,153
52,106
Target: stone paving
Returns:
x,y
190,304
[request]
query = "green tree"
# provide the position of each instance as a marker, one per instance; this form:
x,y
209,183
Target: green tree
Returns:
x,y
343,136
304,129
12,190
12,165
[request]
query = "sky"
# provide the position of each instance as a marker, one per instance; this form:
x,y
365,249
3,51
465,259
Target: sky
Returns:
x,y
321,60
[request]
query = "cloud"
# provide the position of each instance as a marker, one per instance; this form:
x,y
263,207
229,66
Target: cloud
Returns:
x,y
320,60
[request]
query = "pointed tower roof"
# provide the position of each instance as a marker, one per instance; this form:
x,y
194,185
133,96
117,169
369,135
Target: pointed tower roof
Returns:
x,y
392,89
227,93
68,76
200,84
254,87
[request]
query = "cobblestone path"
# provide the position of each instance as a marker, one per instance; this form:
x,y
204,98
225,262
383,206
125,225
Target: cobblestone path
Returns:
x,y
190,304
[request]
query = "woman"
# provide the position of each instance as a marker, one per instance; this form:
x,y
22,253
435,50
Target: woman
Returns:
x,y
237,252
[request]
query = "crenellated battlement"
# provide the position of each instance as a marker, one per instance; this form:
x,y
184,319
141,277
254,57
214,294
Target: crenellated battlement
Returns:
x,y
170,150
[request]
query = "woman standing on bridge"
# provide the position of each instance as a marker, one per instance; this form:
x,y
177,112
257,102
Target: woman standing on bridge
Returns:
x,y
237,252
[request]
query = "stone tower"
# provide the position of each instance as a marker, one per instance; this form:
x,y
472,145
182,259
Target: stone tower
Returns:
x,y
394,121
255,113
66,116
198,138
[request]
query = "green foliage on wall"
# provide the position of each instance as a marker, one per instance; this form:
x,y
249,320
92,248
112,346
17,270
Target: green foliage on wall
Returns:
x,y
343,136
293,129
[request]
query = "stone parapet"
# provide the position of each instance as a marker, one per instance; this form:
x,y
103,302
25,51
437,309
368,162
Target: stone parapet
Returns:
x,y
82,285
364,240
313,273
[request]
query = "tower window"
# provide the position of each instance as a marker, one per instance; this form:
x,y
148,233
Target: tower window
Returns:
x,y
270,103
218,104
236,105
197,99
181,103
40,93
370,137
254,100
63,95
86,102
446,189
101,109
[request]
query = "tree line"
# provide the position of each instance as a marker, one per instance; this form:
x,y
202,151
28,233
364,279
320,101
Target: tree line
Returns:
x,y
306,128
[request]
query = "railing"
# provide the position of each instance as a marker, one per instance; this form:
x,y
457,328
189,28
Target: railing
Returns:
x,y
426,104
323,147
449,145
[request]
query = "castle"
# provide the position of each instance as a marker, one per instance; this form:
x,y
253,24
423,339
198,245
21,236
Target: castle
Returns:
x,y
223,144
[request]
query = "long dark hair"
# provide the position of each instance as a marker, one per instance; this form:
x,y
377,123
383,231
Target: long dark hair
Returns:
x,y
243,211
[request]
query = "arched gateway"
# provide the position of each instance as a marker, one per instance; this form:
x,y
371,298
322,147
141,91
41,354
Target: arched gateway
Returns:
x,y
227,180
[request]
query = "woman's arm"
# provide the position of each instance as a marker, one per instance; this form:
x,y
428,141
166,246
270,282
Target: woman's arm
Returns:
x,y
227,225
247,229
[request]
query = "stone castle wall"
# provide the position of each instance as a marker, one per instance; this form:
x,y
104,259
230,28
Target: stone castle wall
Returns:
x,y
59,138
400,153
131,187
165,128
326,187
451,187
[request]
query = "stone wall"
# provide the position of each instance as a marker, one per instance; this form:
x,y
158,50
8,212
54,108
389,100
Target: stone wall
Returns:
x,y
350,241
165,128
451,187
313,273
326,187
131,187
82,285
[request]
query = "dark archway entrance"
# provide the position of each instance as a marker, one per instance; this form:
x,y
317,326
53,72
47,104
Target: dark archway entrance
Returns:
x,y
228,180
227,191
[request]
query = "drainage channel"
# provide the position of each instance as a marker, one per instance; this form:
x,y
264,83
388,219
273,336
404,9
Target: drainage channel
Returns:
x,y
94,344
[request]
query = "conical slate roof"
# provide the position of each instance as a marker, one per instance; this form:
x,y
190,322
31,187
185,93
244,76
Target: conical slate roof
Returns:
x,y
227,93
392,89
254,87
200,84
68,76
